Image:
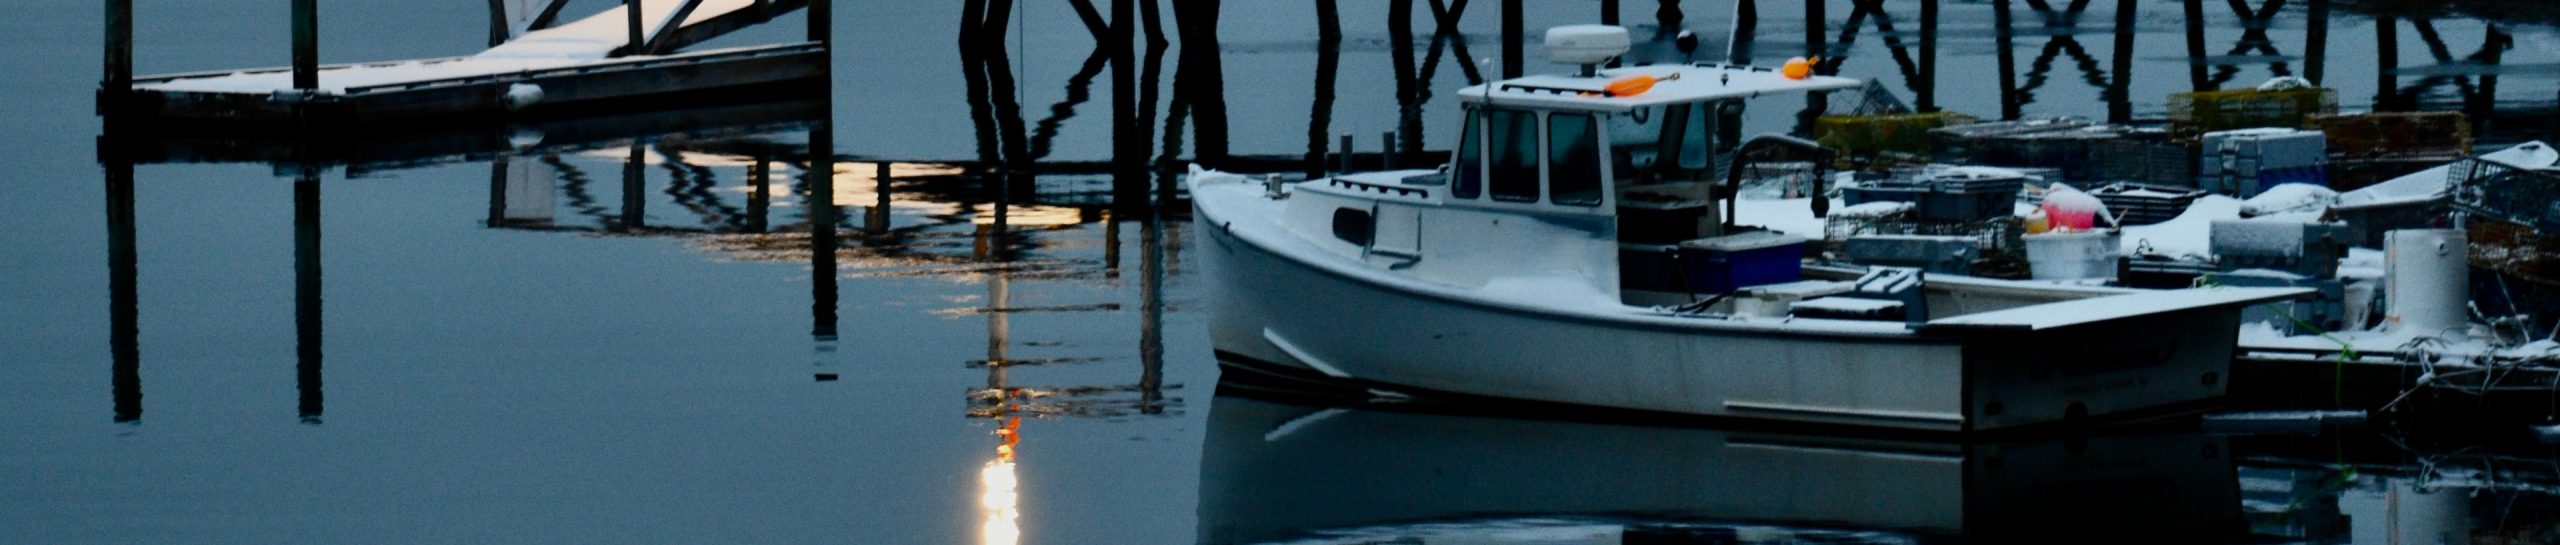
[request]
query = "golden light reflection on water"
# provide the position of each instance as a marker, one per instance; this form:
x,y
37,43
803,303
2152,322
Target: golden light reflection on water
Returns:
x,y
998,497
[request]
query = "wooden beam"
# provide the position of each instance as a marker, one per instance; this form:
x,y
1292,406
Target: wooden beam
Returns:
x,y
658,42
549,15
306,44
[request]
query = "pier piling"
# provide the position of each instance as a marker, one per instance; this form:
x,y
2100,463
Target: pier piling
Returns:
x,y
119,69
1511,36
306,45
2120,80
1927,101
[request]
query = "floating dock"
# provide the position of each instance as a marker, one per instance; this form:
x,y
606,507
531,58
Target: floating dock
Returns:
x,y
621,54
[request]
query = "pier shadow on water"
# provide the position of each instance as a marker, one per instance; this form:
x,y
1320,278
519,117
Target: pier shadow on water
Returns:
x,y
919,304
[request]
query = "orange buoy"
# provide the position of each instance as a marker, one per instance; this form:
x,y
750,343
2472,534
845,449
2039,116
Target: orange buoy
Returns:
x,y
1798,68
1630,85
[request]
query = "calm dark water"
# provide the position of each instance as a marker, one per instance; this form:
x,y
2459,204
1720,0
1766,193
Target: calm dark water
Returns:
x,y
437,352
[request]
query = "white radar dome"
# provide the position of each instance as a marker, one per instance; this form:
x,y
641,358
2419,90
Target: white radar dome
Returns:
x,y
1586,44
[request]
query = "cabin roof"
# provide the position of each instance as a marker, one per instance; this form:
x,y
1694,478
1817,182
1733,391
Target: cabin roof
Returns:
x,y
1695,82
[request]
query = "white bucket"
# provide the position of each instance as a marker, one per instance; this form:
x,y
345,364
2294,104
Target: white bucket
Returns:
x,y
2426,277
2072,256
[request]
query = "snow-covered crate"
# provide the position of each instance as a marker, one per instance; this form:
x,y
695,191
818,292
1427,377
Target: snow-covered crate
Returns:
x,y
2307,249
2145,204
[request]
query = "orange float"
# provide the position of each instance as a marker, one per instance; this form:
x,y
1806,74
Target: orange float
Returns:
x,y
1798,68
1630,85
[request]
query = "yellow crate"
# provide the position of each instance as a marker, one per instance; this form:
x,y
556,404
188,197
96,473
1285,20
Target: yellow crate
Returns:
x,y
1870,137
2193,114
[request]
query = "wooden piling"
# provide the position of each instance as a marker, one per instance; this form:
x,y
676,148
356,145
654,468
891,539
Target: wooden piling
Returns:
x,y
1609,12
2004,42
631,26
1345,154
822,22
2120,84
1387,150
2315,46
1816,26
119,69
2195,45
2386,74
1668,15
306,44
1512,32
1927,101
1129,145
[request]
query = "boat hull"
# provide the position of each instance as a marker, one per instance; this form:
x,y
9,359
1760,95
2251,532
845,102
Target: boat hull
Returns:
x,y
1311,321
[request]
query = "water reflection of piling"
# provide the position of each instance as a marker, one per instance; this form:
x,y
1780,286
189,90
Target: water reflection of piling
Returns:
x,y
821,205
307,309
760,193
635,197
123,300
1151,314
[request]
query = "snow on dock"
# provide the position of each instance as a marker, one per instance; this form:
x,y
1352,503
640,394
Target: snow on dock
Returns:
x,y
594,60
587,40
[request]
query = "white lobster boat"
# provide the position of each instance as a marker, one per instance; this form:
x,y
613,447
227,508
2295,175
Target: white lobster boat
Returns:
x,y
1573,253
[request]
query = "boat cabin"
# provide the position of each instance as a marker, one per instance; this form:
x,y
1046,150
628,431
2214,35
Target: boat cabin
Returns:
x,y
1572,176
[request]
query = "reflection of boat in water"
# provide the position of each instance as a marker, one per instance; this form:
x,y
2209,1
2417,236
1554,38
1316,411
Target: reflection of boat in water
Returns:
x,y
1534,267
1279,471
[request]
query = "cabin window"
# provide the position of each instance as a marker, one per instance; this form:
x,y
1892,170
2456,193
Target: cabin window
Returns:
x,y
1573,159
1354,226
1514,176
1470,159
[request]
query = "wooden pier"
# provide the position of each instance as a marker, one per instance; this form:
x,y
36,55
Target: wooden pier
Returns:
x,y
615,57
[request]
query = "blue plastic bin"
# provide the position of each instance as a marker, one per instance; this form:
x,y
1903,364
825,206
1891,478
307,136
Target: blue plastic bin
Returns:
x,y
1731,262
